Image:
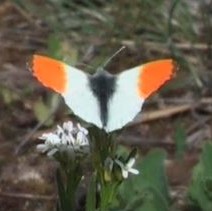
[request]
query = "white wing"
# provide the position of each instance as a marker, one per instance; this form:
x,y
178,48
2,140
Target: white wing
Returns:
x,y
79,97
71,83
125,102
133,87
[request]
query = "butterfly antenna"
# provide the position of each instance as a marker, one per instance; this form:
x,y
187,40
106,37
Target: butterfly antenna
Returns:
x,y
80,63
86,65
114,55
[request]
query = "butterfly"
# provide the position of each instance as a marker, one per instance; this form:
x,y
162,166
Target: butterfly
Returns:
x,y
103,99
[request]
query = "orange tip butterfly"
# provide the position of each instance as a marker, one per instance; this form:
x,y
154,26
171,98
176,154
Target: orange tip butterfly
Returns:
x,y
105,100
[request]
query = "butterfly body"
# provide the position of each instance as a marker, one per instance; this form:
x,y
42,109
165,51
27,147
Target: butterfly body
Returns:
x,y
106,100
103,85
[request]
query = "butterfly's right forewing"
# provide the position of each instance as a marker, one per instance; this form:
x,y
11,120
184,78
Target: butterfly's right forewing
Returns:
x,y
133,86
125,102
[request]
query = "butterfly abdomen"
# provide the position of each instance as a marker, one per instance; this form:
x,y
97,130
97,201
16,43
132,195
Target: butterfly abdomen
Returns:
x,y
103,86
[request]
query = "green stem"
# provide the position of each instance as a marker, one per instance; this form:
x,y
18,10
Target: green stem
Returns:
x,y
73,178
67,185
108,193
103,147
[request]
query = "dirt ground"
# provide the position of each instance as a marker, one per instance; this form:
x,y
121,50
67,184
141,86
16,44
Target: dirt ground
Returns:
x,y
27,178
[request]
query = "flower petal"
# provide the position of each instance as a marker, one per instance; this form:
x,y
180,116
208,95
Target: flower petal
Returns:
x,y
130,163
133,171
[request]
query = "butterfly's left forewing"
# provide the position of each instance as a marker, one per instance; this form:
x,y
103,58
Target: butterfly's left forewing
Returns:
x,y
133,87
80,98
71,83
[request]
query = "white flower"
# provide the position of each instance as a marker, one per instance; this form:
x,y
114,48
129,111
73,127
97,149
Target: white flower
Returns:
x,y
127,168
70,139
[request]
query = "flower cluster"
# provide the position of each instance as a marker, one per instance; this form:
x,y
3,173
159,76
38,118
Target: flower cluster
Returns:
x,y
68,139
69,145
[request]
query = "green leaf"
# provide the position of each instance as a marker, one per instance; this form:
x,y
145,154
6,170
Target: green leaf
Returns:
x,y
91,195
153,171
200,189
149,200
180,141
149,189
8,95
54,46
43,113
61,192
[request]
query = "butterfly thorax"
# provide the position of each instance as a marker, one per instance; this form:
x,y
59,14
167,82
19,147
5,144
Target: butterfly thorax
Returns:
x,y
103,85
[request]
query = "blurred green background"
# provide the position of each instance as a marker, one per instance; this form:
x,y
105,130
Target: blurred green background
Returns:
x,y
178,119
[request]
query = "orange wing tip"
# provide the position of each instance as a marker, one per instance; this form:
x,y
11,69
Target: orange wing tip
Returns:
x,y
154,74
50,72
